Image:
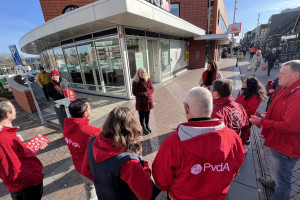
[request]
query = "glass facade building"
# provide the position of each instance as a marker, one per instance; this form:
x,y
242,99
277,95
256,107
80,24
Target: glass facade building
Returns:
x,y
98,62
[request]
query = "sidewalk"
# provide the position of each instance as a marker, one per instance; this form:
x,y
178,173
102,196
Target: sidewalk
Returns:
x,y
62,181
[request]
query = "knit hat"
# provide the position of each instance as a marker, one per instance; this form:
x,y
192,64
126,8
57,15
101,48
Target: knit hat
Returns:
x,y
258,50
54,72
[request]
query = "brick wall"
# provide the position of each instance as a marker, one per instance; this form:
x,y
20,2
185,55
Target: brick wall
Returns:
x,y
54,8
24,100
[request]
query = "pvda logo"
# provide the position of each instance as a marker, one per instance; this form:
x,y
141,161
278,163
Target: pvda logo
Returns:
x,y
197,168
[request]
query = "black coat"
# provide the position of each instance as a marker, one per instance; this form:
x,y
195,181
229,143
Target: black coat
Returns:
x,y
54,92
271,58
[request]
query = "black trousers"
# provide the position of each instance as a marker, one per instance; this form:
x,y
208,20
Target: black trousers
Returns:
x,y
270,66
144,118
45,92
33,192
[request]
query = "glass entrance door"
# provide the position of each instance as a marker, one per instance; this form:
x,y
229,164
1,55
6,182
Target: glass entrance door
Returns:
x,y
151,60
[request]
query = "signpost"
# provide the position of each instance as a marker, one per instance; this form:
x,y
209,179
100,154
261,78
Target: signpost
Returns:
x,y
24,70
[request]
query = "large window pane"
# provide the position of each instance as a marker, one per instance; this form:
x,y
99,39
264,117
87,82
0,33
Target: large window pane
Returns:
x,y
165,56
73,66
136,47
88,63
60,63
175,9
110,62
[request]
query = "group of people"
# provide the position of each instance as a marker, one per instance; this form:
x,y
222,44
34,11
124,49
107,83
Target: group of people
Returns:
x,y
257,60
207,149
52,84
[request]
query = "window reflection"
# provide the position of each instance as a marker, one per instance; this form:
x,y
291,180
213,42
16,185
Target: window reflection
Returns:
x,y
73,66
165,56
88,63
136,47
60,63
110,62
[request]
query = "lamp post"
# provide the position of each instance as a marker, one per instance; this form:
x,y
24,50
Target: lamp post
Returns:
x,y
235,8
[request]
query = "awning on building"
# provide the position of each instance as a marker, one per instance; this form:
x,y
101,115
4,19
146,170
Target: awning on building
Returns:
x,y
104,14
222,38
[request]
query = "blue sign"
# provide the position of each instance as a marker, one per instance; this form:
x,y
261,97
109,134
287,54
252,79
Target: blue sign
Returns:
x,y
15,54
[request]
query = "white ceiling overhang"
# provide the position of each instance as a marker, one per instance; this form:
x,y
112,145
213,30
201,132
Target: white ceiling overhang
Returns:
x,y
221,38
105,14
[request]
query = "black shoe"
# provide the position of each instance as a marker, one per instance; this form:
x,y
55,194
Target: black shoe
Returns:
x,y
145,131
268,183
148,128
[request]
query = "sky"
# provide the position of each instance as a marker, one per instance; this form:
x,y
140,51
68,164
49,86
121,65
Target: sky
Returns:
x,y
248,10
18,17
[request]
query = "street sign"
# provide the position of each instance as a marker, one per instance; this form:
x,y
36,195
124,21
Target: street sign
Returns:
x,y
15,54
235,28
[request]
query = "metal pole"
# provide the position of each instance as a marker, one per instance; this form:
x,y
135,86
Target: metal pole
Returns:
x,y
231,53
35,102
256,38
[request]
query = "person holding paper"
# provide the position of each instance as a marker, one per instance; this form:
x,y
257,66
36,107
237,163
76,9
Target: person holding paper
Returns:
x,y
77,132
20,169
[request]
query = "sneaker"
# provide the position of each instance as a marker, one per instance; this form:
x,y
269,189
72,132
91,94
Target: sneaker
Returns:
x,y
268,183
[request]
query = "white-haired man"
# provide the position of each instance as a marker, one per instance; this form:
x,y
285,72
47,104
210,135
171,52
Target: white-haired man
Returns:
x,y
199,160
281,130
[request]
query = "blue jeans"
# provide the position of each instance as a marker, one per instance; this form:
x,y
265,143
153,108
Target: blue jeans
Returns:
x,y
281,172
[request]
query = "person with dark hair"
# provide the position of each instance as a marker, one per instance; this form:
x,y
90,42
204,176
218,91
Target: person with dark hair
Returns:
x,y
208,76
232,113
77,133
53,91
280,128
186,161
250,97
142,89
116,162
271,57
43,78
252,93
20,169
272,91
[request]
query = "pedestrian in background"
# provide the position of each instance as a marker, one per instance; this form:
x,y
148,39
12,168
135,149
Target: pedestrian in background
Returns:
x,y
250,97
208,76
53,86
256,61
142,89
77,133
232,113
272,57
185,162
20,169
43,78
116,162
280,128
252,52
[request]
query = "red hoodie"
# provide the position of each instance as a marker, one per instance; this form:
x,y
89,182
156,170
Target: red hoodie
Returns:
x,y
250,105
281,125
19,167
77,133
233,115
199,161
131,172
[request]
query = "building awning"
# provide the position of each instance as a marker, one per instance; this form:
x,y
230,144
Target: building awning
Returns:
x,y
222,38
104,14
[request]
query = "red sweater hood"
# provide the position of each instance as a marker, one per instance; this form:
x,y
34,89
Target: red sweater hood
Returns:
x,y
193,138
77,133
103,148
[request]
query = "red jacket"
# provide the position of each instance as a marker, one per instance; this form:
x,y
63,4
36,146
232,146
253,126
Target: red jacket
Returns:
x,y
250,105
77,133
131,172
143,90
19,167
199,161
233,115
204,75
281,127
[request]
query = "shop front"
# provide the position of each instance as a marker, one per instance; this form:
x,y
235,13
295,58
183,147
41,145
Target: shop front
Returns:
x,y
101,54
